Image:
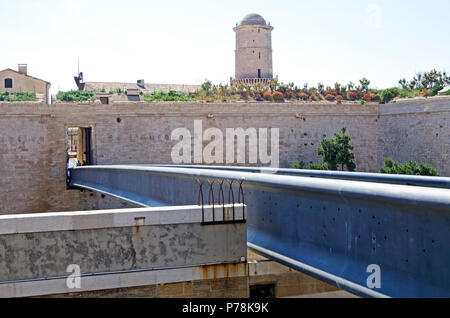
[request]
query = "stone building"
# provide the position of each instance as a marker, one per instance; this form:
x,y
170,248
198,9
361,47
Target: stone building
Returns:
x,y
253,50
139,86
20,81
122,91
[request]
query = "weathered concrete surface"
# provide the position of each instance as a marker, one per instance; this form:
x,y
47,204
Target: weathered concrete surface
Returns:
x,y
227,281
229,287
111,241
140,283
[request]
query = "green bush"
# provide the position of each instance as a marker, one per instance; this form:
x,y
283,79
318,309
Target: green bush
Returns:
x,y
298,165
75,96
312,166
410,168
388,94
408,93
436,90
18,97
317,166
169,96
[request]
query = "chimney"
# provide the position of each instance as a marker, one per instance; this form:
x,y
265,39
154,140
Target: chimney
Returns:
x,y
23,69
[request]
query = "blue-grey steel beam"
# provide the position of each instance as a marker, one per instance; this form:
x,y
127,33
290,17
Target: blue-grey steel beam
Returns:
x,y
328,228
424,181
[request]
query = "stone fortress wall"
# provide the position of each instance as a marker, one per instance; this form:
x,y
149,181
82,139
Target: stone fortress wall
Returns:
x,y
417,129
33,139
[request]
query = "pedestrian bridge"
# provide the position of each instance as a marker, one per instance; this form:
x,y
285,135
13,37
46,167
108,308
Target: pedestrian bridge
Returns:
x,y
370,234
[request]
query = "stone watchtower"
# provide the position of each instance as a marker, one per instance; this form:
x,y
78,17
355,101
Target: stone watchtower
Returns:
x,y
253,50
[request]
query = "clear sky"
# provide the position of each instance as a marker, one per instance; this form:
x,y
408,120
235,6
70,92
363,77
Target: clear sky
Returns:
x,y
179,41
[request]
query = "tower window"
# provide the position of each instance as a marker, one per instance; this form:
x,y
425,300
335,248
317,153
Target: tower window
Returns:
x,y
259,73
258,30
8,83
259,55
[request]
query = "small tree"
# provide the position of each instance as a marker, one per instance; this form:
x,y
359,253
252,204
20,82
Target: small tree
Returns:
x,y
337,152
403,83
207,85
350,86
364,84
320,87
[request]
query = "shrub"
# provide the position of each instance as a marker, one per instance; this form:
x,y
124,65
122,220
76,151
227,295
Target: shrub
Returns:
x,y
423,93
245,95
367,97
335,153
315,97
435,90
75,96
312,166
317,166
388,94
374,97
330,92
17,97
329,97
277,95
289,94
409,93
298,165
302,95
410,168
169,96
352,95
267,95
258,97
339,98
